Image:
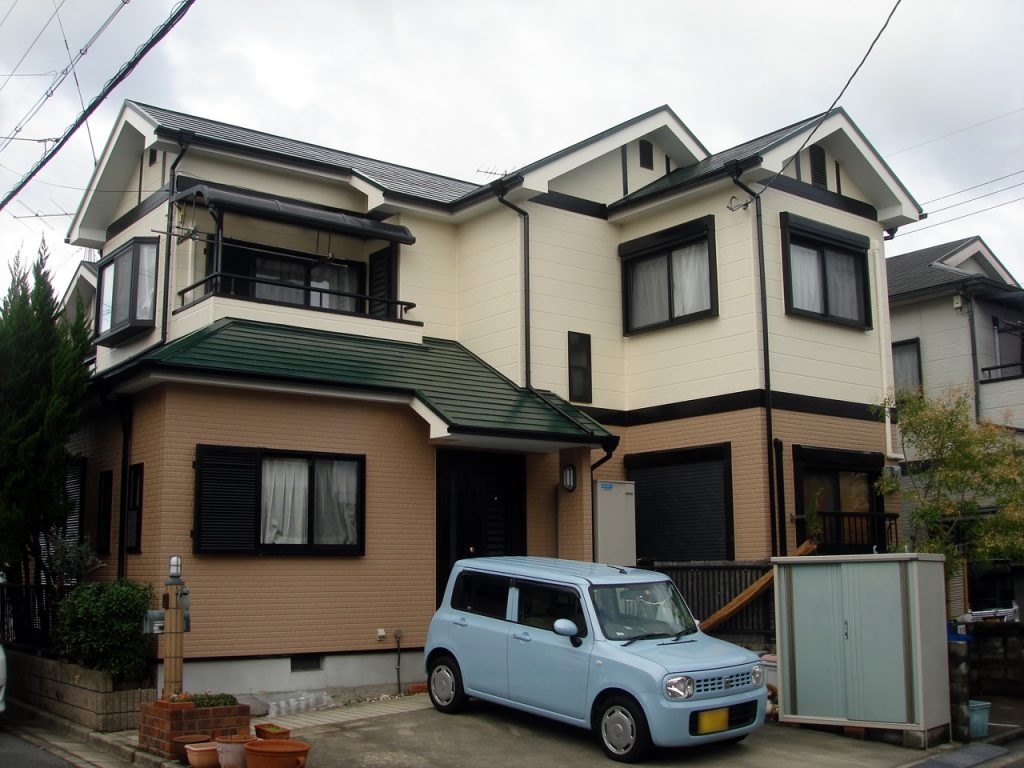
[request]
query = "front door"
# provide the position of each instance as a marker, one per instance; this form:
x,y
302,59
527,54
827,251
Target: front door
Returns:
x,y
480,507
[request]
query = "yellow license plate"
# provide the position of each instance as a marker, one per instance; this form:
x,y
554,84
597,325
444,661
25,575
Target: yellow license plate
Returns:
x,y
713,721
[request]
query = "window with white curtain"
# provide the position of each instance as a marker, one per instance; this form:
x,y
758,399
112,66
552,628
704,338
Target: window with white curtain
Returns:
x,y
670,277
826,272
906,365
257,500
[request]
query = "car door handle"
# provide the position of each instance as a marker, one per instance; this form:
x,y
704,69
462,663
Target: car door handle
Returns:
x,y
460,622
524,636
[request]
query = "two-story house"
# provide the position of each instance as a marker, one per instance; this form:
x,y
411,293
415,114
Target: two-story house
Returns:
x,y
322,378
957,319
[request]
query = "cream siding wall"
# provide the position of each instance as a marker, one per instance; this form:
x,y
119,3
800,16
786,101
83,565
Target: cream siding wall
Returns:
x,y
847,186
601,179
576,285
818,358
428,275
490,290
712,356
943,333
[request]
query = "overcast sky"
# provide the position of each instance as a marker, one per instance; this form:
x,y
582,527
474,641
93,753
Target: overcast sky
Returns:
x,y
463,86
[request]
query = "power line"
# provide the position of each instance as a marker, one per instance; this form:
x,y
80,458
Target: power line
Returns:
x,y
62,75
74,72
4,19
976,186
828,111
30,47
176,15
979,197
957,218
958,130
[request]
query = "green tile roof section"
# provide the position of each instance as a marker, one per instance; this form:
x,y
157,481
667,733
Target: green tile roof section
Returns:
x,y
461,389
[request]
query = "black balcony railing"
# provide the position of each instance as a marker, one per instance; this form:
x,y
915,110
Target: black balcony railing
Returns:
x,y
1004,371
856,533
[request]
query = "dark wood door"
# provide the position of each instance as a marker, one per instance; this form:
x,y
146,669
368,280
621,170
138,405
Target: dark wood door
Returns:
x,y
480,507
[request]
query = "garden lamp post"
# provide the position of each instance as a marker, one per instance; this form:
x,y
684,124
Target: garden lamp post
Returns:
x,y
174,627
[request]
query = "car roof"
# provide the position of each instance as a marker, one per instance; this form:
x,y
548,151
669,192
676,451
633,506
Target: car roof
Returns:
x,y
554,569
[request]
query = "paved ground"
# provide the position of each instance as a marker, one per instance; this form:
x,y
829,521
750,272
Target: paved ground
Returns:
x,y
407,732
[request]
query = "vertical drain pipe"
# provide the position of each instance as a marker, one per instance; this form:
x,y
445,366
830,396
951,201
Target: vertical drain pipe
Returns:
x,y
525,218
778,527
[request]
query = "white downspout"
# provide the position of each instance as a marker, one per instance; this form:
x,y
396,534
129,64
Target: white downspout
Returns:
x,y
885,353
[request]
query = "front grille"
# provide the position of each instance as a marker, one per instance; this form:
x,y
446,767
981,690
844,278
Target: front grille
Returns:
x,y
722,683
740,715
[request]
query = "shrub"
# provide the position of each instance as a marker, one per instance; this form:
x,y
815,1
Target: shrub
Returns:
x,y
99,625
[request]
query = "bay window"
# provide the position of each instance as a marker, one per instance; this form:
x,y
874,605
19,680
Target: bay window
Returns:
x,y
126,304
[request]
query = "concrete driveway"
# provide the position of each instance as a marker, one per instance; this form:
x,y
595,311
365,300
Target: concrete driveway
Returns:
x,y
494,737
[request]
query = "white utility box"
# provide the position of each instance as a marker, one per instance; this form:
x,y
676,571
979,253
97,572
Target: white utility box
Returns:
x,y
615,522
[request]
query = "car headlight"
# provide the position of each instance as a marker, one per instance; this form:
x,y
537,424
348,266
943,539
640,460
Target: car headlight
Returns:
x,y
679,687
757,674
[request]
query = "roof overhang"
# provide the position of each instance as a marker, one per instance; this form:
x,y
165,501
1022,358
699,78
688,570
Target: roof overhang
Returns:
x,y
838,134
294,212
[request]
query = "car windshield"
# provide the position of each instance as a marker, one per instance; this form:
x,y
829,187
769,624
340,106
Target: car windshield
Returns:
x,y
633,612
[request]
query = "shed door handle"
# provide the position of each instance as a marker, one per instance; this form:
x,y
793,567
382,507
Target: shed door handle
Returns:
x,y
846,630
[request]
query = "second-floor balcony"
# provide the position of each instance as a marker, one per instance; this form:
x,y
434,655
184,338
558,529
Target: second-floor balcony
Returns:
x,y
346,286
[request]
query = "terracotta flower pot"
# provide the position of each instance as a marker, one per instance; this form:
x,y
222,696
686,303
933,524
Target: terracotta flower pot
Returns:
x,y
276,753
231,750
271,731
202,755
178,745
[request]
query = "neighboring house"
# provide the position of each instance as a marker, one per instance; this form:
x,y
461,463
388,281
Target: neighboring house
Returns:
x,y
958,325
322,378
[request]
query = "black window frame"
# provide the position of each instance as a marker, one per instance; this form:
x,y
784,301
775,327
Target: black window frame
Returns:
x,y
916,344
581,385
811,234
231,478
659,245
834,460
133,509
132,324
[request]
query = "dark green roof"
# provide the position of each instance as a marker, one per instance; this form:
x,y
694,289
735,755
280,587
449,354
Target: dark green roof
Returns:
x,y
466,393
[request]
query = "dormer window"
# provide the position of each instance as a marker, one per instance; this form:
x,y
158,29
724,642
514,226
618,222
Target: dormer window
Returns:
x,y
126,305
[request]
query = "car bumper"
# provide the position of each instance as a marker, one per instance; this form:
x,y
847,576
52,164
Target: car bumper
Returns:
x,y
678,723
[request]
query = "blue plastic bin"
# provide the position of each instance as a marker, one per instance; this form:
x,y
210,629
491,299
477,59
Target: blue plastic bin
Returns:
x,y
979,718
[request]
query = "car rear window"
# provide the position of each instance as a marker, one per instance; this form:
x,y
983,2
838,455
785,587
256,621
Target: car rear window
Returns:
x,y
481,593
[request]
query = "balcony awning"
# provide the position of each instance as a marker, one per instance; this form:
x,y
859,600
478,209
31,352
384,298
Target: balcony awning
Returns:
x,y
294,212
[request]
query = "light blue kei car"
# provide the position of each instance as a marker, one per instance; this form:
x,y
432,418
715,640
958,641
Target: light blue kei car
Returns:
x,y
604,647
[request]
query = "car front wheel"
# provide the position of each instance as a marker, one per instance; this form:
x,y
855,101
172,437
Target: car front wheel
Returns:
x,y
622,729
445,685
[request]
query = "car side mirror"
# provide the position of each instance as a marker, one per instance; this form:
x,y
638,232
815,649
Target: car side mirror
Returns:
x,y
568,628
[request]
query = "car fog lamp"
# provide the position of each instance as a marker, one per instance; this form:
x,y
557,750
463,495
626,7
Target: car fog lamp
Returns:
x,y
757,674
679,687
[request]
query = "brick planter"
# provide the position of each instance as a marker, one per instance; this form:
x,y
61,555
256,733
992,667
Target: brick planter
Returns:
x,y
160,723
84,696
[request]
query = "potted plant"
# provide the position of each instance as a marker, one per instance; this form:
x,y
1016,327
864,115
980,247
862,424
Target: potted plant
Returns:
x,y
271,731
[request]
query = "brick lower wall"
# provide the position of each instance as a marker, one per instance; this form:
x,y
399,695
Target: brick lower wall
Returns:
x,y
159,724
81,695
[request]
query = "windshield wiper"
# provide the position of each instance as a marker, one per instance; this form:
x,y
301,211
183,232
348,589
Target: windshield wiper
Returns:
x,y
683,632
648,636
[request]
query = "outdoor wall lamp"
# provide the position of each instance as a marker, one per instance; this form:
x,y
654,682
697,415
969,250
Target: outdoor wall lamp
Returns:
x,y
569,477
174,567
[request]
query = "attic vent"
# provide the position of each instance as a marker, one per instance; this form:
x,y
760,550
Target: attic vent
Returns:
x,y
819,177
646,154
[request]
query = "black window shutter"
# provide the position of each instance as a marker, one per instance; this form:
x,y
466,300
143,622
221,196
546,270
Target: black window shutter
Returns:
x,y
227,498
74,493
646,154
382,284
819,177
